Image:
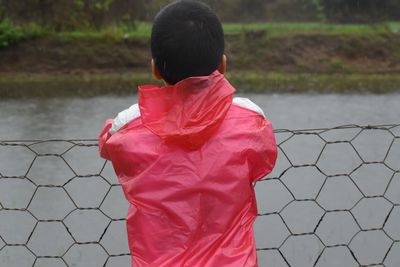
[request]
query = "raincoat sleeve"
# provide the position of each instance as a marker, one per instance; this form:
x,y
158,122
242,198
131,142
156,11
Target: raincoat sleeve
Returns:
x,y
263,152
103,137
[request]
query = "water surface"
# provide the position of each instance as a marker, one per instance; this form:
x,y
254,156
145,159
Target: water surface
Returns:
x,y
83,118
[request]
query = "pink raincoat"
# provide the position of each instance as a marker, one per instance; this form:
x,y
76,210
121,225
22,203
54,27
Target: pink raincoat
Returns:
x,y
187,157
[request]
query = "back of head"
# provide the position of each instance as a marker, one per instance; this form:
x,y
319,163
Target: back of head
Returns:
x,y
187,40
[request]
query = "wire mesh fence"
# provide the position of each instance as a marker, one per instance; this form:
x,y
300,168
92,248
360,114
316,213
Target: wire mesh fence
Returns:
x,y
333,199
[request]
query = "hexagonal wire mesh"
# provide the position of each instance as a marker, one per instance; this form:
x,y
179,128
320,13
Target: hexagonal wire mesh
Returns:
x,y
333,199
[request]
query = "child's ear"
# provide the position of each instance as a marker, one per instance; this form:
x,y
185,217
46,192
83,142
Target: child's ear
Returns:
x,y
155,71
222,65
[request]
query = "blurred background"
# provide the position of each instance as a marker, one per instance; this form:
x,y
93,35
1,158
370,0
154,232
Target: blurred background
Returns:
x,y
102,46
94,14
335,61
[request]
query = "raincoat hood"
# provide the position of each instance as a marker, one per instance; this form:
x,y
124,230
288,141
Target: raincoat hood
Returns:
x,y
188,112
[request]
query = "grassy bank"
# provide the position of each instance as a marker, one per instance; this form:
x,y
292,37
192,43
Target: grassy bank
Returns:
x,y
18,33
143,29
263,57
42,85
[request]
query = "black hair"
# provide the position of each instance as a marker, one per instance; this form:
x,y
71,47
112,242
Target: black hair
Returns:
x,y
187,40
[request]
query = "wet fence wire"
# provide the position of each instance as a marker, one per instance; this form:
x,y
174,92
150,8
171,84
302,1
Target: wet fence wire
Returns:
x,y
333,199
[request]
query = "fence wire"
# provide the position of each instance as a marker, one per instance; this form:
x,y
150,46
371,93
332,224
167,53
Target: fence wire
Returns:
x,y
333,199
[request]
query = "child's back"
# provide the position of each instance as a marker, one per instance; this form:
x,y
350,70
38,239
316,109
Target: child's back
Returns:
x,y
187,156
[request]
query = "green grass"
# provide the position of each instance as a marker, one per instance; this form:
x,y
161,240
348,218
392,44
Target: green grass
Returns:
x,y
278,82
140,30
143,29
281,28
87,85
11,34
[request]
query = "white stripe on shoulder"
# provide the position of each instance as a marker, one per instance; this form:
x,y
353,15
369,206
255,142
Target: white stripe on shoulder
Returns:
x,y
247,103
124,117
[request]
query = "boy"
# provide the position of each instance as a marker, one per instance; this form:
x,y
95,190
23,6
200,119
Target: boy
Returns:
x,y
188,154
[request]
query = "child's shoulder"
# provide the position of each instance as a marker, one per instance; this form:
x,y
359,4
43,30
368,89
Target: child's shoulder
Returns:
x,y
133,112
124,117
247,104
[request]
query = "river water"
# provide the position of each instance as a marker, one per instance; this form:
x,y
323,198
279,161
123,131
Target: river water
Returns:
x,y
82,118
